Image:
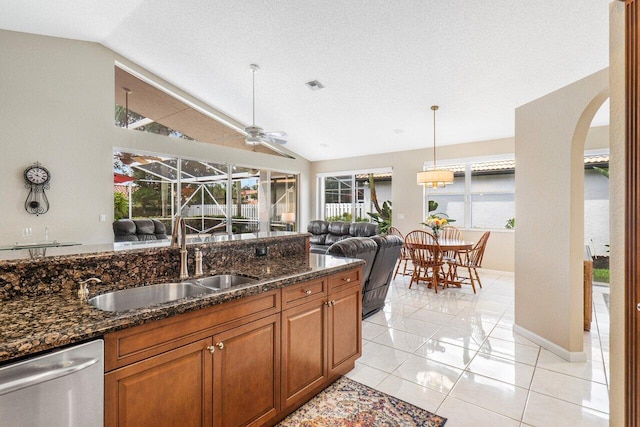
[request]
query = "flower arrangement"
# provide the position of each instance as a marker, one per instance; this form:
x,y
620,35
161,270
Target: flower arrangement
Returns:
x,y
436,221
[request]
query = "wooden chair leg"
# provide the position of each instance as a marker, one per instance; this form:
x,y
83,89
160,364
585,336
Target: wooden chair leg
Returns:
x,y
434,278
414,276
397,268
473,285
477,276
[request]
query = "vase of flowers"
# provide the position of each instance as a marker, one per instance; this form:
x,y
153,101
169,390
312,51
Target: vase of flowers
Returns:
x,y
436,221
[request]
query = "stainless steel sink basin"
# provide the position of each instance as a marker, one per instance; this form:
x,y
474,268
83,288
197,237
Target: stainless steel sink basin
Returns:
x,y
145,296
223,281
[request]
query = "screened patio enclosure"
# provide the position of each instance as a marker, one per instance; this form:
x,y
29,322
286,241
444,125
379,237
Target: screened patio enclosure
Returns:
x,y
213,198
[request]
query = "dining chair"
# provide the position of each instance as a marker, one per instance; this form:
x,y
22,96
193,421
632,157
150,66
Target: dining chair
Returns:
x,y
425,255
451,258
472,259
449,232
404,257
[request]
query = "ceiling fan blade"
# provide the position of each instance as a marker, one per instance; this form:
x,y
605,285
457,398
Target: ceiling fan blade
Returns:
x,y
274,140
277,134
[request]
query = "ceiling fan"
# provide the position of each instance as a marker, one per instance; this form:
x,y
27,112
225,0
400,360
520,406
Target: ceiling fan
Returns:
x,y
255,134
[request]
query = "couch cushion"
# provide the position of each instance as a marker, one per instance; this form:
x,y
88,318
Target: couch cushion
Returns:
x,y
124,230
318,239
389,247
356,247
159,229
363,229
318,226
330,238
339,228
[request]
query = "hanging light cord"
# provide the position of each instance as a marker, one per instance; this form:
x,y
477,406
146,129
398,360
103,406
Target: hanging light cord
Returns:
x,y
434,108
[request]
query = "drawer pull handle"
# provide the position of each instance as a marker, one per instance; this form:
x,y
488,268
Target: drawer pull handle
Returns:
x,y
211,349
220,345
307,291
346,279
328,303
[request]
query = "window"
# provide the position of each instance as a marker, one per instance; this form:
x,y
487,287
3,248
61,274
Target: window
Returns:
x,y
481,196
483,193
211,197
284,199
350,197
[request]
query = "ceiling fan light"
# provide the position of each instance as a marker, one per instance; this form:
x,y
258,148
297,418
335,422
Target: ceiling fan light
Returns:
x,y
252,140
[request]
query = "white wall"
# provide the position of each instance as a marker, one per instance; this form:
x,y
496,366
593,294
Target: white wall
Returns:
x,y
617,203
57,108
549,247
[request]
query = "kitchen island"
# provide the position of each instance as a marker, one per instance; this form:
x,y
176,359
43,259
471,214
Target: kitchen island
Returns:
x,y
244,356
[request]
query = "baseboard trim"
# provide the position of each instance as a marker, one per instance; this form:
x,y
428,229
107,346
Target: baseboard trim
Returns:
x,y
569,356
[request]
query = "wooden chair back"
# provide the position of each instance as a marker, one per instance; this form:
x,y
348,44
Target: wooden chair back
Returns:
x,y
474,258
424,249
449,232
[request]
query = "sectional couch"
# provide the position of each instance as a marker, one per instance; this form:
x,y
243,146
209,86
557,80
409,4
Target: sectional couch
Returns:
x,y
324,233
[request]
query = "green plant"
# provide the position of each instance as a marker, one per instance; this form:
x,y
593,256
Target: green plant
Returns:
x,y
511,224
603,171
120,206
601,275
382,217
345,217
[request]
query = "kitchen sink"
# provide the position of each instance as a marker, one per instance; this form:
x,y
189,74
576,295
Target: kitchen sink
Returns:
x,y
223,281
143,296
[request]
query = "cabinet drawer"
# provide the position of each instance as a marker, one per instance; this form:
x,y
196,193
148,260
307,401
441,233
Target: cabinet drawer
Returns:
x,y
140,342
344,278
302,292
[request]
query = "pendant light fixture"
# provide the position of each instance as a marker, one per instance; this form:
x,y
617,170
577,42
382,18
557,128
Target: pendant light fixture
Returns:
x,y
435,178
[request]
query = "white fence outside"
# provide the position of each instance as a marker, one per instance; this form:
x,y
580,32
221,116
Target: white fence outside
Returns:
x,y
337,209
248,211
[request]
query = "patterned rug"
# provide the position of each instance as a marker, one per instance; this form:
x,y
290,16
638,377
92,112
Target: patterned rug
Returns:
x,y
347,403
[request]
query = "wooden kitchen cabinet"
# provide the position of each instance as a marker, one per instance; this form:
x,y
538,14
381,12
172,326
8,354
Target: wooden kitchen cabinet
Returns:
x,y
304,350
246,373
345,329
321,339
171,389
241,363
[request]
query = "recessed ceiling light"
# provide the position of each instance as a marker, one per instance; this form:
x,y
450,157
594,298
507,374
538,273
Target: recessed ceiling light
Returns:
x,y
314,85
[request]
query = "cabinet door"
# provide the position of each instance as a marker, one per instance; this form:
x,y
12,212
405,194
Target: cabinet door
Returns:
x,y
345,329
246,373
170,389
304,351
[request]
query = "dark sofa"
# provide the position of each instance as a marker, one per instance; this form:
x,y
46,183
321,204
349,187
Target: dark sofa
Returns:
x,y
136,230
380,254
324,233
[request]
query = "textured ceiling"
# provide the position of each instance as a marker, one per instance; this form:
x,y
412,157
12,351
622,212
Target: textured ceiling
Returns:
x,y
383,63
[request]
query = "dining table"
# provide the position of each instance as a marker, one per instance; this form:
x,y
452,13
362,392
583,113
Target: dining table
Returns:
x,y
452,250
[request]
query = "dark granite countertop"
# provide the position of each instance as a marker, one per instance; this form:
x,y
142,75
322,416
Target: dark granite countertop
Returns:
x,y
31,324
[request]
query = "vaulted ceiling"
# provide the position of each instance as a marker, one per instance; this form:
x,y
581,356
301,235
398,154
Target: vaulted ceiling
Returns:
x,y
383,63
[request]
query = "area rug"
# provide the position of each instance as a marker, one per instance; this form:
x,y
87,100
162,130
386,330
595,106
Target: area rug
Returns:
x,y
347,403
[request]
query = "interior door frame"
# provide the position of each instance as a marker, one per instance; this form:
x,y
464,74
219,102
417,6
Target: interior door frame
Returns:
x,y
632,215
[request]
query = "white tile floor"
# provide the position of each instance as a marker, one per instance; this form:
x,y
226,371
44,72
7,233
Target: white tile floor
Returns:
x,y
455,354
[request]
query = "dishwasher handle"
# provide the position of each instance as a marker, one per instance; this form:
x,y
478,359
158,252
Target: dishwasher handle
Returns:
x,y
46,373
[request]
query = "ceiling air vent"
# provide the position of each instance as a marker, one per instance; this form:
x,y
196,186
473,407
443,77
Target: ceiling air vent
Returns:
x,y
314,85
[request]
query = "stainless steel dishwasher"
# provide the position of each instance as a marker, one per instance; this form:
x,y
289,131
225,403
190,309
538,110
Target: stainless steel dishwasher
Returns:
x,y
60,389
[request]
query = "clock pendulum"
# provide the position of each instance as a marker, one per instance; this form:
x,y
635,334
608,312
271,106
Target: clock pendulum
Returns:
x,y
37,179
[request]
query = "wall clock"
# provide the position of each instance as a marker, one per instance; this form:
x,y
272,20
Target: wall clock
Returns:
x,y
37,180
